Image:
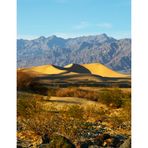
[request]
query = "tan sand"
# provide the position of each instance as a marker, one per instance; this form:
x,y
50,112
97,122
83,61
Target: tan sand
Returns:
x,y
93,68
101,70
47,69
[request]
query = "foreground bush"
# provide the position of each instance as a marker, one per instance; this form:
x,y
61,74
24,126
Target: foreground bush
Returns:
x,y
74,92
113,98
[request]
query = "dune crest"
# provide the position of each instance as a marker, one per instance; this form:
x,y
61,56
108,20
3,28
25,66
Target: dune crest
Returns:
x,y
92,68
102,70
47,69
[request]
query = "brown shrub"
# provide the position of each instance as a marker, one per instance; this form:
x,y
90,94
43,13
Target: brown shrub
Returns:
x,y
114,98
23,80
66,92
74,92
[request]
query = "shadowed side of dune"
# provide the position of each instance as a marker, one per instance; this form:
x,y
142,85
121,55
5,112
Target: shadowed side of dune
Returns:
x,y
77,69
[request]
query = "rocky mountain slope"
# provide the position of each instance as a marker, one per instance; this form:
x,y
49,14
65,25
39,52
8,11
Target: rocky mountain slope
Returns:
x,y
109,51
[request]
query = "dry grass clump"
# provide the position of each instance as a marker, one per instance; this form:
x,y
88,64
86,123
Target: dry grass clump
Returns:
x,y
66,92
113,98
76,112
75,92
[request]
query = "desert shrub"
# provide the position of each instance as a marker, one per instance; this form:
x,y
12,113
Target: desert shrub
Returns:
x,y
23,80
92,95
28,107
90,110
96,113
74,92
66,92
115,98
76,112
52,91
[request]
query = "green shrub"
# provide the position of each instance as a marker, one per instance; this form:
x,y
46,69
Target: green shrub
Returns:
x,y
115,98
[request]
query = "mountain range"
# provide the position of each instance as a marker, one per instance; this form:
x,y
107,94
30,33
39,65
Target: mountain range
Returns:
x,y
114,53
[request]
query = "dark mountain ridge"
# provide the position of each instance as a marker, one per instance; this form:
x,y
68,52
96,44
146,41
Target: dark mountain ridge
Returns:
x,y
109,51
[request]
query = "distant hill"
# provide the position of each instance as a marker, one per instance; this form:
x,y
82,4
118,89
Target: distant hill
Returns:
x,y
115,54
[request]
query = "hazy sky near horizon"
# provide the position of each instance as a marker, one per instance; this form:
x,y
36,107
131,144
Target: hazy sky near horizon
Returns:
x,y
71,18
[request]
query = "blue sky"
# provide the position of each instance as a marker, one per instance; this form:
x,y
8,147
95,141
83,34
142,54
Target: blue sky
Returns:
x,y
71,18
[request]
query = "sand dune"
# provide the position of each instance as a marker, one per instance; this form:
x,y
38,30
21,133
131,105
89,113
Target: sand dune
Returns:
x,y
47,69
93,68
77,69
101,70
94,74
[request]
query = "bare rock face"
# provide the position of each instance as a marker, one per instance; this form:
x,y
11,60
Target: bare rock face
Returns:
x,y
111,52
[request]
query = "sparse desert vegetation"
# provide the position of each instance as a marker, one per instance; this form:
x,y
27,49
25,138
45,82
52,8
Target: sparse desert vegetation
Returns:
x,y
44,118
65,107
115,97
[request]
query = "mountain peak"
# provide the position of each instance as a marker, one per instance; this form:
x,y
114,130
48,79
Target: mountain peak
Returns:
x,y
103,35
52,37
104,49
41,38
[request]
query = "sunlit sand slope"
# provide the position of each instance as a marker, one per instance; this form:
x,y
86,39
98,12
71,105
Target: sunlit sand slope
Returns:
x,y
101,70
46,69
90,69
